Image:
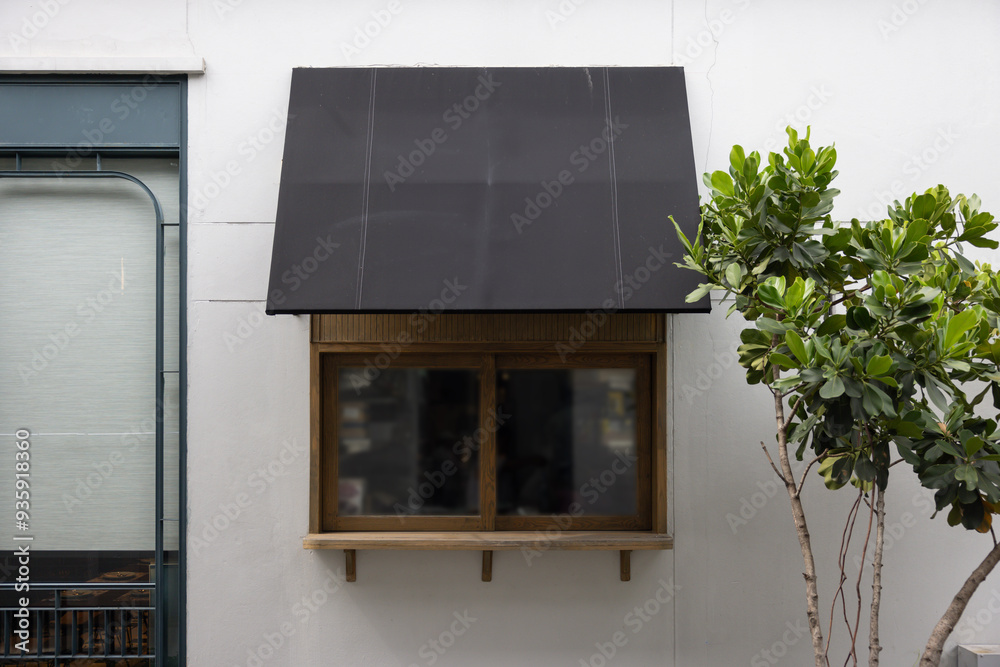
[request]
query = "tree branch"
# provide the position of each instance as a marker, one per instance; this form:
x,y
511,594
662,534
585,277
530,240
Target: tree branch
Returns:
x,y
944,627
802,480
874,648
801,527
857,588
845,297
771,461
842,564
791,411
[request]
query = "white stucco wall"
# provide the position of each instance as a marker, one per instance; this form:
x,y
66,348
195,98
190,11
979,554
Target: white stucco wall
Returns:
x,y
909,92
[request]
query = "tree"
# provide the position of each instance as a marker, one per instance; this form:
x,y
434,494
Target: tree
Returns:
x,y
868,335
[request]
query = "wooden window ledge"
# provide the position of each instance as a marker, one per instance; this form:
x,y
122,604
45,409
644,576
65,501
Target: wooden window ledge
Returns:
x,y
625,542
507,540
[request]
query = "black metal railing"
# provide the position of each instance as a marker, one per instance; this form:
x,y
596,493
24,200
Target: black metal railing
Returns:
x,y
111,623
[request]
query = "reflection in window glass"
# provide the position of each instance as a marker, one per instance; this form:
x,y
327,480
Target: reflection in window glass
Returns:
x,y
571,439
404,442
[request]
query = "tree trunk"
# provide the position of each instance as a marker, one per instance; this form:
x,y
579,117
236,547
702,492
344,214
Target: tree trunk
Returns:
x,y
873,643
802,530
932,652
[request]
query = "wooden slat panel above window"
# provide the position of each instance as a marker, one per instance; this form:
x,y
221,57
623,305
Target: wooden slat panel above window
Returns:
x,y
488,327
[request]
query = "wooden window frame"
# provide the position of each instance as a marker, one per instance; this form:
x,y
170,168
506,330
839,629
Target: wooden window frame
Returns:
x,y
488,364
355,340
331,520
641,363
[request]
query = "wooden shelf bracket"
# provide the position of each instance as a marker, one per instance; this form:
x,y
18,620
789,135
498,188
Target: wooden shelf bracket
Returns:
x,y
352,564
487,566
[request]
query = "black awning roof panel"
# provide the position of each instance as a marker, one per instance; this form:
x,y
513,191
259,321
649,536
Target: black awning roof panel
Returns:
x,y
484,189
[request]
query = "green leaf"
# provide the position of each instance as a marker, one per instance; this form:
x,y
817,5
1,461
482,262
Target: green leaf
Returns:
x,y
934,392
973,445
836,471
966,266
771,296
864,469
723,182
958,325
950,449
783,360
923,206
772,326
795,344
822,347
955,515
887,405
787,382
972,515
871,401
794,294
699,293
734,275
755,337
833,324
832,388
879,365
909,455
916,230
858,317
737,157
938,476
967,474
990,350
907,428
984,243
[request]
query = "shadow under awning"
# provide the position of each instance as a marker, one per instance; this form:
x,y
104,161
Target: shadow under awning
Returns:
x,y
484,190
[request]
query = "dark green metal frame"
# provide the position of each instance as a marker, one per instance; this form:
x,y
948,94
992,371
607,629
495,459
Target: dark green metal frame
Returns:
x,y
9,147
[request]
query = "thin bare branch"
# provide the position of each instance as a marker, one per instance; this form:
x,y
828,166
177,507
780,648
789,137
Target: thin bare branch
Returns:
x,y
794,389
795,406
802,480
857,587
841,563
842,299
771,461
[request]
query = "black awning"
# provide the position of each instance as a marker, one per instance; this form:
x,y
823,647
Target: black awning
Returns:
x,y
484,189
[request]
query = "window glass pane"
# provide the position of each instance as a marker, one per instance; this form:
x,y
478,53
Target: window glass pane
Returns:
x,y
404,441
77,365
571,438
78,359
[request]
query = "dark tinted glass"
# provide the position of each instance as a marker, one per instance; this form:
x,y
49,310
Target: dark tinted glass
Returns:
x,y
571,438
404,442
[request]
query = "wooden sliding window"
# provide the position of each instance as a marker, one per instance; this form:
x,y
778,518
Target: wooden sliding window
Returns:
x,y
575,454
480,440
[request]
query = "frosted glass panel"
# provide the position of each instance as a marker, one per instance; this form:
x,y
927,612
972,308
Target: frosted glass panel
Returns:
x,y
171,458
77,351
